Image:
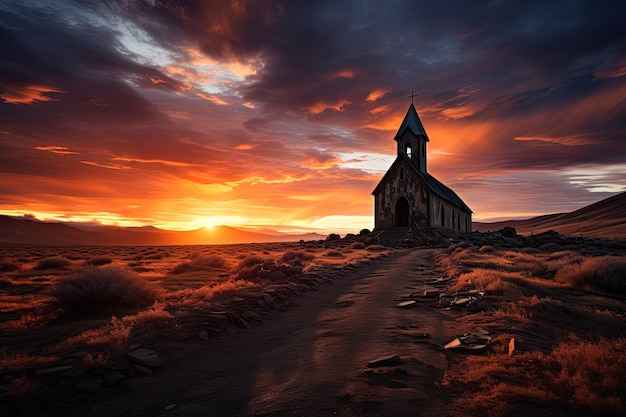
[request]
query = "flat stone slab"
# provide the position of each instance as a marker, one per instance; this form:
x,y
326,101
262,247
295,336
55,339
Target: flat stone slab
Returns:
x,y
407,304
390,360
146,357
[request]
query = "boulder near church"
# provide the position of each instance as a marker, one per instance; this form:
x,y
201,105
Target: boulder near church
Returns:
x,y
408,196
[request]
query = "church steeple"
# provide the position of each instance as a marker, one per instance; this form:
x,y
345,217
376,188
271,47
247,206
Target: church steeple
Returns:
x,y
412,138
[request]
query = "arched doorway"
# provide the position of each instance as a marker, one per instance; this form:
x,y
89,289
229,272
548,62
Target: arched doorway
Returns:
x,y
402,212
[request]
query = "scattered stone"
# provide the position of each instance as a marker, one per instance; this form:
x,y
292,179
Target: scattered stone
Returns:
x,y
81,354
91,387
73,373
251,315
407,304
474,341
170,407
204,335
57,409
508,231
112,378
142,370
53,370
511,346
146,357
134,346
391,360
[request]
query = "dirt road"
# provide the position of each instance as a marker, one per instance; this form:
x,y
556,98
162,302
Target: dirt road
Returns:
x,y
312,359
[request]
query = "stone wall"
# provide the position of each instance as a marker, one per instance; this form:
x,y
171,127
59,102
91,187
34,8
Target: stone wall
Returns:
x,y
448,215
401,182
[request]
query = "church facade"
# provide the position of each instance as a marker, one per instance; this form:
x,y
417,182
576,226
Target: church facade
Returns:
x,y
408,196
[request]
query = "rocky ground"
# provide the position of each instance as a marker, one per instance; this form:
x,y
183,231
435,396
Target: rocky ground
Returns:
x,y
374,338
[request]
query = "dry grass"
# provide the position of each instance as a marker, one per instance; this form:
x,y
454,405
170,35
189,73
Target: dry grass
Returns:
x,y
48,294
53,263
200,262
604,273
101,291
586,376
569,347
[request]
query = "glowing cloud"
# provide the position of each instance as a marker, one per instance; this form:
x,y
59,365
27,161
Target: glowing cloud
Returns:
x,y
376,95
59,150
30,94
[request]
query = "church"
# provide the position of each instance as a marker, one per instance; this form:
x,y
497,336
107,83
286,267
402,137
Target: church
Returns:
x,y
408,196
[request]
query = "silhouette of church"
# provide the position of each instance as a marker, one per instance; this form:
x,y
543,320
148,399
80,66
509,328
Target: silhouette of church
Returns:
x,y
408,196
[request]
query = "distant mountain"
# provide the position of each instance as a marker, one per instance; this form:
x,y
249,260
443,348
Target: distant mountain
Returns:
x,y
606,218
33,232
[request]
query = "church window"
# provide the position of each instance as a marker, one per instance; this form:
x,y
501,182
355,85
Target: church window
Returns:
x,y
408,150
401,173
443,217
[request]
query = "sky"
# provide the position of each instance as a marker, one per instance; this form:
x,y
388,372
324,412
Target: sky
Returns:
x,y
282,114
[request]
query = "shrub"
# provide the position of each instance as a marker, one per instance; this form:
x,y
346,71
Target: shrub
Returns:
x,y
6,265
357,245
98,261
605,273
101,291
296,257
201,263
250,261
52,263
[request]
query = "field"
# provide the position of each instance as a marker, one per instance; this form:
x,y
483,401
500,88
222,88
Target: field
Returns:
x,y
559,320
555,314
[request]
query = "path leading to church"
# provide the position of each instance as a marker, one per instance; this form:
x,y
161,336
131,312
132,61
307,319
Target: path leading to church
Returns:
x,y
312,359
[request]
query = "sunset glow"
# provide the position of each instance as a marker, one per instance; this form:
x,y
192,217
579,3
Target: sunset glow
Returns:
x,y
282,115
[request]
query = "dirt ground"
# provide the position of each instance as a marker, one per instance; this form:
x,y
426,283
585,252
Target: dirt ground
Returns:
x,y
313,359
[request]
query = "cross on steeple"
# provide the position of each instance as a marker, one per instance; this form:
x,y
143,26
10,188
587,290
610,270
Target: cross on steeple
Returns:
x,y
411,96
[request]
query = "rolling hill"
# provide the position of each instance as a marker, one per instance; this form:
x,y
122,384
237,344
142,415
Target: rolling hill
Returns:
x,y
606,218
29,232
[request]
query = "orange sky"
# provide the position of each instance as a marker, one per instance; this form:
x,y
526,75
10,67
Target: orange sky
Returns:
x,y
281,115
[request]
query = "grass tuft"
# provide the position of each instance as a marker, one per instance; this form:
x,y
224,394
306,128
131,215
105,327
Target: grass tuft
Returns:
x,y
52,263
201,263
95,291
604,273
296,257
99,261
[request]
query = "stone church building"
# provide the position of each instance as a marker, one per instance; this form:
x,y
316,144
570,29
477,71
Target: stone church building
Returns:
x,y
408,196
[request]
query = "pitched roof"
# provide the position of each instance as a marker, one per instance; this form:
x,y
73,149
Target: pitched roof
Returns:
x,y
431,182
413,123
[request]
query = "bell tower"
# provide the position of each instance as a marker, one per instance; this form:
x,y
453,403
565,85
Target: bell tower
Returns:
x,y
412,138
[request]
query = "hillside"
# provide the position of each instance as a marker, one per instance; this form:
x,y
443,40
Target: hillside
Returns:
x,y
29,232
606,218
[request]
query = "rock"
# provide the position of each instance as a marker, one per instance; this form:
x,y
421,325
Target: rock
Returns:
x,y
53,370
112,378
146,357
251,315
90,387
390,360
204,335
142,370
407,304
73,373
508,231
170,407
57,409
